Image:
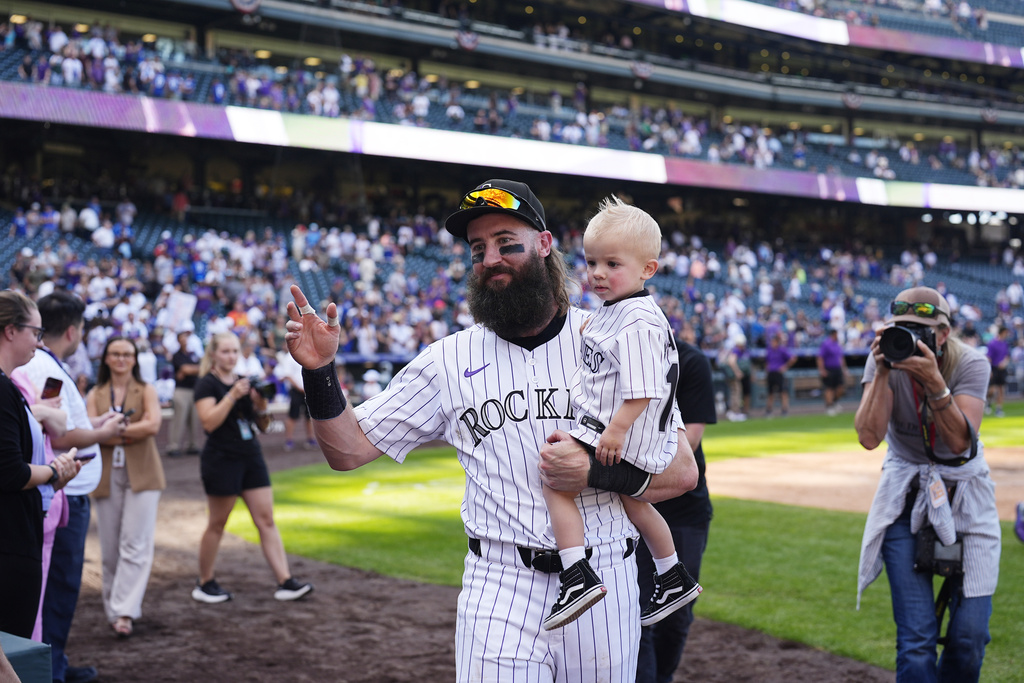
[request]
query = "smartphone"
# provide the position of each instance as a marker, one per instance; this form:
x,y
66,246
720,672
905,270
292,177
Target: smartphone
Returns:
x,y
85,457
51,389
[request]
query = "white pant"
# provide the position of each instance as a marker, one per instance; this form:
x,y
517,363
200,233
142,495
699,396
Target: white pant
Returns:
x,y
127,525
499,636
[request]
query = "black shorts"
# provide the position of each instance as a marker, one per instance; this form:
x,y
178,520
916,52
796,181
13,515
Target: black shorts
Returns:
x,y
297,405
228,474
776,382
745,384
833,378
998,377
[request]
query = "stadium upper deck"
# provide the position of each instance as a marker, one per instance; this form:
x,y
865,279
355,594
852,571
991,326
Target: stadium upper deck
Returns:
x,y
810,124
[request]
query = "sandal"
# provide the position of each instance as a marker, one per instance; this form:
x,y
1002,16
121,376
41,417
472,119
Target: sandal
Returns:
x,y
122,627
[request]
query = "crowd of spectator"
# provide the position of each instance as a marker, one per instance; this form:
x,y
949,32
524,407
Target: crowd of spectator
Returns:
x,y
359,89
390,311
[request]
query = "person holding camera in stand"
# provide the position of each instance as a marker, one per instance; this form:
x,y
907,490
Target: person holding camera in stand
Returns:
x,y
230,408
133,477
935,510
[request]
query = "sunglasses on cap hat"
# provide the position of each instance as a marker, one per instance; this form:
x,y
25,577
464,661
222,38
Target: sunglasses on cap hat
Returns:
x,y
498,198
919,309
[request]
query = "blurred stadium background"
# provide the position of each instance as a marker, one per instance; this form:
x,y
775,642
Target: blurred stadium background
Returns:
x,y
801,156
807,159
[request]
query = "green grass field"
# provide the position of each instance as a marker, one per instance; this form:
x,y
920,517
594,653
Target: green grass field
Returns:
x,y
787,571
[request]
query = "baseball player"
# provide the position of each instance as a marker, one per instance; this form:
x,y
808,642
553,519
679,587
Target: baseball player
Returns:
x,y
623,399
495,391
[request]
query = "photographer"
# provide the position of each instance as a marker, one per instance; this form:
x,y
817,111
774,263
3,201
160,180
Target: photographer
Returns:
x,y
935,509
232,465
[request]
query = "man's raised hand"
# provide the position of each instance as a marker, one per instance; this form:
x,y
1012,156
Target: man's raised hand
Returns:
x,y
312,342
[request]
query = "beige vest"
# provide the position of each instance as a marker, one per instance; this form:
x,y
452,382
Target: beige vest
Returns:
x,y
142,460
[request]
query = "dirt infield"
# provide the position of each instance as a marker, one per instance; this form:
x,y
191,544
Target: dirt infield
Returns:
x,y
362,627
843,480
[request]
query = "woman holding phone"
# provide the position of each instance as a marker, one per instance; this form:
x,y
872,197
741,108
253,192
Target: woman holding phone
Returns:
x,y
129,490
24,476
232,465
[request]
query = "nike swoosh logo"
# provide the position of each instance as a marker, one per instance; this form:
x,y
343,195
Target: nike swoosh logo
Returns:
x,y
469,373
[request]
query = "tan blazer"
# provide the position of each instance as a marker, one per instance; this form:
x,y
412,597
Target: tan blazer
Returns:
x,y
145,471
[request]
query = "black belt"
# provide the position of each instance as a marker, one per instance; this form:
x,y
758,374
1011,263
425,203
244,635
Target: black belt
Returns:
x,y
546,561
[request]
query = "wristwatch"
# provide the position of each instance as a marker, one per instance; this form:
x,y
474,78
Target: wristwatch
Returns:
x,y
56,475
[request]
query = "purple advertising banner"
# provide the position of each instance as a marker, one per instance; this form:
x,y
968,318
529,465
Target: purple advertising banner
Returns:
x,y
770,181
89,108
834,32
950,48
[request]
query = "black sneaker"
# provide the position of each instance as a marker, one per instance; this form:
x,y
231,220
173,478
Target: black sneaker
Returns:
x,y
210,592
292,590
581,589
672,590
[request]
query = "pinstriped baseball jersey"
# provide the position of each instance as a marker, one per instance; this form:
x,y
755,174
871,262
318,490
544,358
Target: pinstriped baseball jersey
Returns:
x,y
628,351
496,402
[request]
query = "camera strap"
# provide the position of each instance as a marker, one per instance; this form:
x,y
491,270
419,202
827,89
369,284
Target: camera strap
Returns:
x,y
928,432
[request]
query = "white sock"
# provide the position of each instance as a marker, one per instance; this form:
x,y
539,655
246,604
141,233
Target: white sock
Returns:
x,y
571,556
664,564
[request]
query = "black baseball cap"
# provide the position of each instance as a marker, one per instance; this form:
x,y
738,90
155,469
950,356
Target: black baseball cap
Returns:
x,y
497,196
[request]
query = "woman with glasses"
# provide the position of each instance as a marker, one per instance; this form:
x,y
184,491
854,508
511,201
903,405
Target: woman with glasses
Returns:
x,y
129,490
25,478
935,508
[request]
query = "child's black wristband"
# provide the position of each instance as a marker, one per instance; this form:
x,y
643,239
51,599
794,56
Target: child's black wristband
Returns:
x,y
324,397
622,477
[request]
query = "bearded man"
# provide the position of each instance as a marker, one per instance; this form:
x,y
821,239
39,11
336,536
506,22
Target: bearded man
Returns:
x,y
499,393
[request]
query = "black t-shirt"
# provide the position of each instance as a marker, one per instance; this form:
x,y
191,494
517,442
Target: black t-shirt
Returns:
x,y
228,436
183,357
695,396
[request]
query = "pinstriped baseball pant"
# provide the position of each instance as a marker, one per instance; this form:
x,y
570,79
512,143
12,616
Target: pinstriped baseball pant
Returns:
x,y
499,636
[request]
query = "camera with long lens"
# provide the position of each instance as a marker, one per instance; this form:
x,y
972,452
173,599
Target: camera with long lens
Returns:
x,y
266,389
899,342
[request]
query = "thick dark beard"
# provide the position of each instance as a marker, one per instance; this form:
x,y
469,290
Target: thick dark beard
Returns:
x,y
522,305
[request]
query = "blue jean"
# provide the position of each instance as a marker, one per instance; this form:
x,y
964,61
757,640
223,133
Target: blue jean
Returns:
x,y
661,645
65,582
917,629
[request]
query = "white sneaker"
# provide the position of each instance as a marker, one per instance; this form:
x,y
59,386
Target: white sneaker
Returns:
x,y
210,592
292,590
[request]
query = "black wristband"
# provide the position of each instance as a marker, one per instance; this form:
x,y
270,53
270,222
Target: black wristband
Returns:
x,y
324,397
622,477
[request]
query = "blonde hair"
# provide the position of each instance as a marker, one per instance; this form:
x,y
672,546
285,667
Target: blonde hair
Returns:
x,y
952,351
633,224
206,364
